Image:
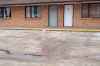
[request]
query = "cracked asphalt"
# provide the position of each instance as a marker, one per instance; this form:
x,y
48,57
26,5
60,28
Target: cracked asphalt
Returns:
x,y
49,48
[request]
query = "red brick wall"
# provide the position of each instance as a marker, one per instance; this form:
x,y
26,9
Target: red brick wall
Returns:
x,y
61,16
18,18
84,22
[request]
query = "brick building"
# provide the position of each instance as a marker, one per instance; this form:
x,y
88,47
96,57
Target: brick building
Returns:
x,y
50,13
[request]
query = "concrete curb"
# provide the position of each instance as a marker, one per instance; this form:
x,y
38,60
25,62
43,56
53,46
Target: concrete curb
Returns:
x,y
76,30
55,29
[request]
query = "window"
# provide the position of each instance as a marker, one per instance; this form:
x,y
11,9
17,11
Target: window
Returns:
x,y
84,11
90,10
32,11
95,10
5,12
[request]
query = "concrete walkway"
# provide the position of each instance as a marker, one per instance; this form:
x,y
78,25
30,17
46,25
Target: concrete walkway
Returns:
x,y
56,48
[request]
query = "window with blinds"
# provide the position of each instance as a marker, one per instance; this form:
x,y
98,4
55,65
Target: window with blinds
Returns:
x,y
32,11
94,10
90,10
5,12
84,11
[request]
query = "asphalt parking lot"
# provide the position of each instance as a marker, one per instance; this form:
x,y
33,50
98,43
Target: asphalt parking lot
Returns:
x,y
49,48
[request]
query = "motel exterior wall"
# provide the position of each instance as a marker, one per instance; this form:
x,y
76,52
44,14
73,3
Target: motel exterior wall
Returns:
x,y
18,18
84,22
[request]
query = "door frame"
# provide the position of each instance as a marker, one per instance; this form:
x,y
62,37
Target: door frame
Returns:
x,y
72,16
49,16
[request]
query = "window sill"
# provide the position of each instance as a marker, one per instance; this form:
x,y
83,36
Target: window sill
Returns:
x,y
5,18
32,18
84,18
89,18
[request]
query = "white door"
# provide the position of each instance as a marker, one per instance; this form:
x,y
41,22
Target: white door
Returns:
x,y
68,15
53,16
